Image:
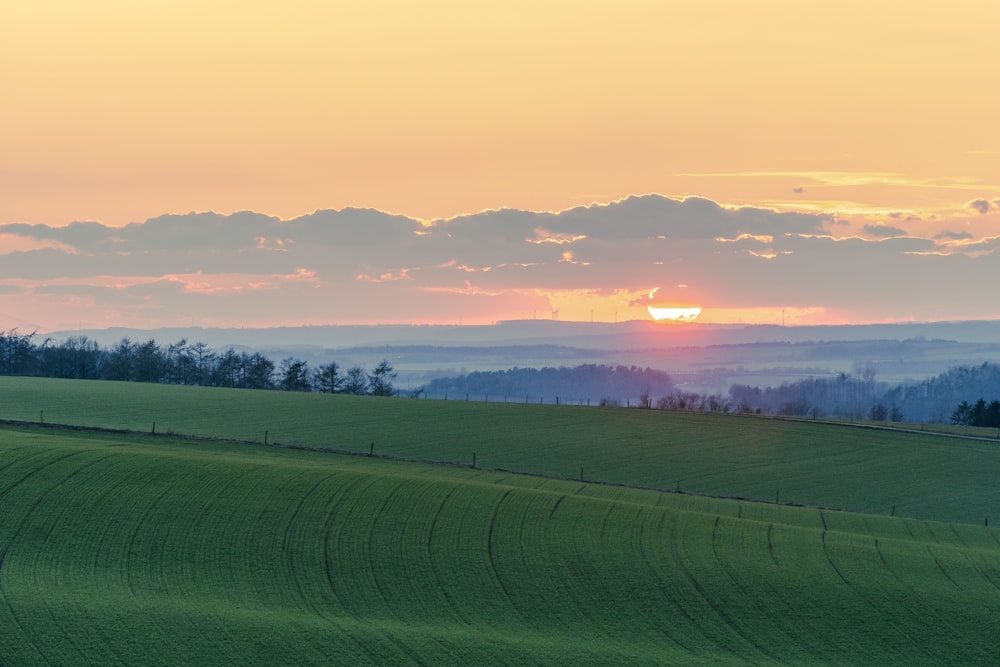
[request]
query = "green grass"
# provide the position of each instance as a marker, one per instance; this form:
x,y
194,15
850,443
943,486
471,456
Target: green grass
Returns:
x,y
848,467
139,550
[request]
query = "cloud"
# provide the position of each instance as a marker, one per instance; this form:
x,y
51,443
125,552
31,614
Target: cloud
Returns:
x,y
364,265
907,216
386,276
761,238
953,236
883,231
981,205
80,235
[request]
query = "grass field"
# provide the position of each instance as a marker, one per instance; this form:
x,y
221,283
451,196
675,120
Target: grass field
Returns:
x,y
849,467
139,550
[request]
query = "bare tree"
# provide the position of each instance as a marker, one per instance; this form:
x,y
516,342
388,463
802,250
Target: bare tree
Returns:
x,y
121,360
356,381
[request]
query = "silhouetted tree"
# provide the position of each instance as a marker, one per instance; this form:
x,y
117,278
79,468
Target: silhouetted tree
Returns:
x,y
178,362
258,372
228,370
203,360
328,379
962,416
380,380
121,361
17,353
150,364
356,381
294,375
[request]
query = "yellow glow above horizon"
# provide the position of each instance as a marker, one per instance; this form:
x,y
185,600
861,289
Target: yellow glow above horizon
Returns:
x,y
673,314
120,111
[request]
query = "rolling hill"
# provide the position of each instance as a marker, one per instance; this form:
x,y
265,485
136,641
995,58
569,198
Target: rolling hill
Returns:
x,y
129,548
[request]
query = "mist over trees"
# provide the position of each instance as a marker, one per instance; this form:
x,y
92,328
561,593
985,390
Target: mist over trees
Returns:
x,y
935,399
938,399
592,382
848,396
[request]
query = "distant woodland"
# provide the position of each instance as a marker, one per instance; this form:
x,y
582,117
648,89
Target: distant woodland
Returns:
x,y
967,395
595,383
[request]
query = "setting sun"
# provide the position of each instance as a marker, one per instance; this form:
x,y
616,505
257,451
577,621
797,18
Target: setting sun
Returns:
x,y
674,314
666,311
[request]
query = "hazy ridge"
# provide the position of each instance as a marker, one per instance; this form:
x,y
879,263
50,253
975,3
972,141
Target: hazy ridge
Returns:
x,y
701,357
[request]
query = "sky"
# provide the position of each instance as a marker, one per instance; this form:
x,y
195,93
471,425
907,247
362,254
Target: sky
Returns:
x,y
862,135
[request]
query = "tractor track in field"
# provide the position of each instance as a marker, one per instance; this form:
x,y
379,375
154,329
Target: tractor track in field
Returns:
x,y
10,607
666,587
379,587
17,529
943,571
721,562
307,600
858,592
612,506
556,505
328,567
706,599
492,558
770,545
286,542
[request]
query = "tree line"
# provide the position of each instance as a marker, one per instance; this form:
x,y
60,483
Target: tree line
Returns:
x,y
183,362
979,413
604,384
855,396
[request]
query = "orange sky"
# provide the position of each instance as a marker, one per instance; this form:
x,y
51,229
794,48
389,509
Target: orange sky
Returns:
x,y
119,111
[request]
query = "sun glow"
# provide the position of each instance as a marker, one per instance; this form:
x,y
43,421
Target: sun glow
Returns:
x,y
673,314
663,311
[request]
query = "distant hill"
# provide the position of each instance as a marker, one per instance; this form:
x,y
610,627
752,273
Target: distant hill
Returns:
x,y
699,357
